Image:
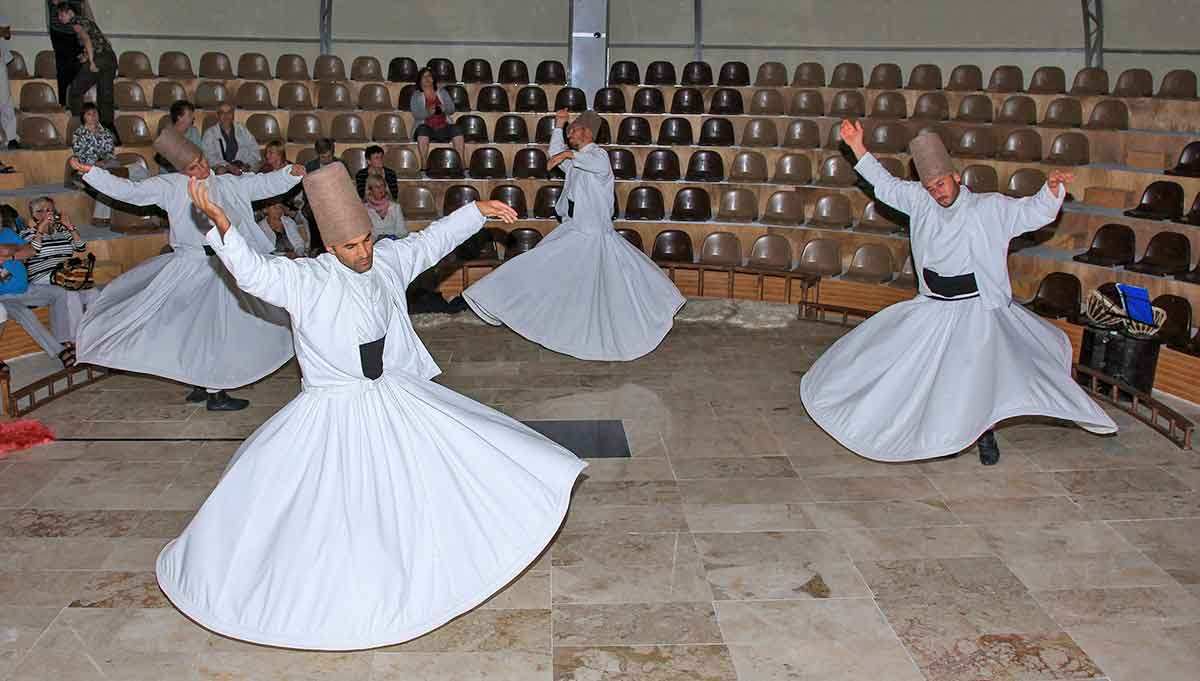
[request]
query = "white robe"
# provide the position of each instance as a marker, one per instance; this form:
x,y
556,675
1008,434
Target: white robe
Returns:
x,y
926,377
366,512
177,315
584,290
291,231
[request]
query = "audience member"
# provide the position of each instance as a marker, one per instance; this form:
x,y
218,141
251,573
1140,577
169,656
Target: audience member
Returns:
x,y
66,47
16,297
54,241
183,119
387,217
99,67
431,109
289,237
93,144
374,154
274,157
228,145
325,154
8,113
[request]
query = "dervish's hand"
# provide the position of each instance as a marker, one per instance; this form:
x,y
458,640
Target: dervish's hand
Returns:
x,y
497,209
561,117
298,170
852,135
79,166
199,193
1059,178
559,158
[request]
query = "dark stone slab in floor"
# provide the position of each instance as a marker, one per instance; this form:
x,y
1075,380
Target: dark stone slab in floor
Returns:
x,y
603,439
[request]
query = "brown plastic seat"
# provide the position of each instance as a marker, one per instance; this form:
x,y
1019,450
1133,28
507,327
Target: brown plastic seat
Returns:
x,y
366,69
925,77
1090,81
329,67
770,253
784,208
418,202
133,131
1025,182
809,74
848,104
488,163
1059,296
216,65
167,92
965,78
802,134
492,98
1018,110
19,70
716,132
760,132
672,245
980,179
210,94
975,109
44,65
174,64
38,97
645,203
571,99
403,70
907,277
692,204
333,95
1134,83
1168,254
623,164
931,106
634,130
726,102
389,127
831,211
846,75
767,103
1193,217
807,103
355,159
609,100
687,101
705,166
649,100
822,257
444,163
1178,84
634,238
1162,200
477,71
510,129
662,165
771,74
404,99
348,127
1006,78
697,73
532,98
543,202
720,251
1189,161
888,138
514,196
1112,246
514,72
1064,112
875,219
675,132
403,160
737,205
834,141
253,66
458,95
886,76
132,65
265,127
1048,80
254,96
443,70
836,171
39,132
1069,149
550,72
624,73
975,143
1023,146
1110,114
374,97
1176,331
305,156
871,264
748,166
793,169
889,105
304,128
295,97
291,67
895,167
661,73
458,196
734,74
529,163
545,127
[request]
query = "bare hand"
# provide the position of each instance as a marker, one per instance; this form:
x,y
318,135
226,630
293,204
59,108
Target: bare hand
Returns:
x,y
561,117
298,170
1059,178
199,193
852,135
79,166
497,209
65,220
93,68
559,158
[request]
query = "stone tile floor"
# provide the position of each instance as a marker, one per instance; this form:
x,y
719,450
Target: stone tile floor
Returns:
x,y
738,542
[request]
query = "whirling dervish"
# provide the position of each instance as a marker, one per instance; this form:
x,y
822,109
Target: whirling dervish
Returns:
x,y
377,505
584,290
928,377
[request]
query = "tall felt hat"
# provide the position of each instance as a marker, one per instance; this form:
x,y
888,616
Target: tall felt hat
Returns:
x,y
930,157
176,148
590,120
341,216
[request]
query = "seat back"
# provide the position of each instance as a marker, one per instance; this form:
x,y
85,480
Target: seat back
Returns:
x,y
291,67
216,65
721,248
174,64
254,66
329,67
389,127
737,205
672,245
783,208
134,65
822,257
366,68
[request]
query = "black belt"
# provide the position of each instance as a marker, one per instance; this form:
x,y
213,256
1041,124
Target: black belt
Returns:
x,y
208,250
371,356
570,208
958,287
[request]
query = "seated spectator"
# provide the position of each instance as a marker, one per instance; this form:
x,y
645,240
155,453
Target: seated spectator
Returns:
x,y
93,144
374,154
54,241
8,113
274,157
290,239
326,154
99,65
431,109
183,118
229,146
387,217
16,298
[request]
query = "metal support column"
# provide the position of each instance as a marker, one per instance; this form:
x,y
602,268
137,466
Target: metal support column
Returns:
x,y
325,26
1093,33
698,29
589,45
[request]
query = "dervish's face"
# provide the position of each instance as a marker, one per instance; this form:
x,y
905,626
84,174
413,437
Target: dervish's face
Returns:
x,y
197,169
579,136
358,254
944,189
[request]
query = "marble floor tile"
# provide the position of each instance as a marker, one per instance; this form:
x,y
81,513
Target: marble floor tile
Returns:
x,y
1120,481
1002,484
724,468
1170,543
783,490
895,513
1157,605
981,576
38,522
627,568
644,663
1141,651
628,624
906,543
494,666
22,481
276,665
847,660
769,565
1005,510
1140,506
486,630
870,488
746,517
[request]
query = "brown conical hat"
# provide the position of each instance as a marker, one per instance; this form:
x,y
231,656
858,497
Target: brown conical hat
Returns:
x,y
590,120
176,148
340,214
930,157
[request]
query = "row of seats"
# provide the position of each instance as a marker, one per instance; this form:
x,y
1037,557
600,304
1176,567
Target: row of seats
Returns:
x,y
1164,200
1169,254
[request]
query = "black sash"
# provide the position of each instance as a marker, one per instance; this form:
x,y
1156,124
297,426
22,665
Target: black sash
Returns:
x,y
958,287
371,356
570,208
208,250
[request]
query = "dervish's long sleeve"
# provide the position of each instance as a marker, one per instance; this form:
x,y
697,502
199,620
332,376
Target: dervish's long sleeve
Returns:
x,y
900,194
421,250
259,186
1031,212
272,279
148,192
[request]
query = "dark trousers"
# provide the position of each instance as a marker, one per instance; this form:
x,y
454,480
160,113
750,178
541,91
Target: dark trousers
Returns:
x,y
103,80
66,61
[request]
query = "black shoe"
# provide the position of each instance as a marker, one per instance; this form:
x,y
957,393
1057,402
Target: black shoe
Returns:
x,y
989,451
198,395
14,145
221,402
457,305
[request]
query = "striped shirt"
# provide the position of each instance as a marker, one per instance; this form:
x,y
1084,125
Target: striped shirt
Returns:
x,y
49,251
